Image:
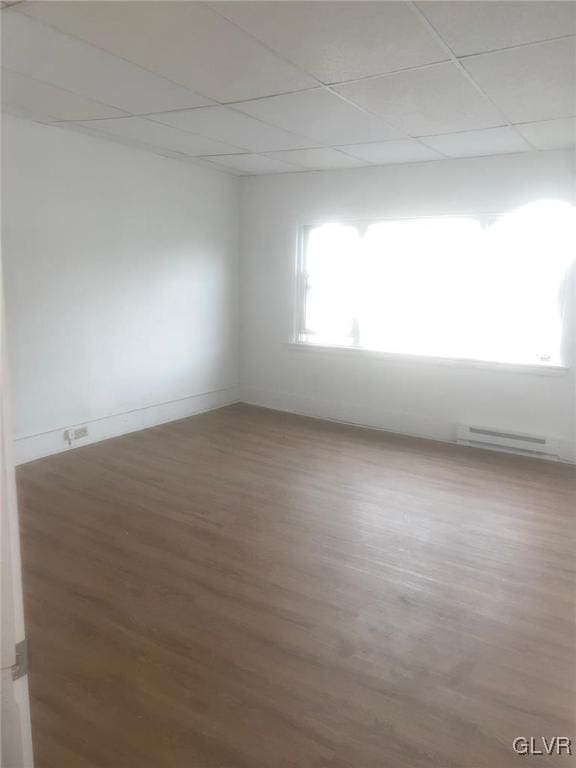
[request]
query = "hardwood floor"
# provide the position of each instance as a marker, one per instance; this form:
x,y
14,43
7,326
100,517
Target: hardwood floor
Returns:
x,y
250,589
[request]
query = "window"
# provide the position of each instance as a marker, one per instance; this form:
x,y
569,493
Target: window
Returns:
x,y
484,288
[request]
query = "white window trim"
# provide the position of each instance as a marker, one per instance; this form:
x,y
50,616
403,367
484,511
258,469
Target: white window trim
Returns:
x,y
299,310
542,369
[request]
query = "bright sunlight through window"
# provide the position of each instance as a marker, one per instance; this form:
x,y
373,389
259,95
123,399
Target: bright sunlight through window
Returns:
x,y
483,288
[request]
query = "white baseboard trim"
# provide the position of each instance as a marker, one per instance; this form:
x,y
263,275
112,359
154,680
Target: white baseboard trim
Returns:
x,y
31,447
397,422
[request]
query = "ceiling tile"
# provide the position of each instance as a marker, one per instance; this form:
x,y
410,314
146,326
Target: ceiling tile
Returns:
x,y
254,164
491,141
322,159
319,115
147,132
338,41
550,134
536,82
41,101
186,42
34,49
88,128
476,27
385,152
226,124
437,99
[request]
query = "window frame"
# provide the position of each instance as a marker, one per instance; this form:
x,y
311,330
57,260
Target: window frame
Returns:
x,y
299,330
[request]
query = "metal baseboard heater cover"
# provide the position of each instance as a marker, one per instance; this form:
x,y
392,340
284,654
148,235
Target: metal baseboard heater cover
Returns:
x,y
508,442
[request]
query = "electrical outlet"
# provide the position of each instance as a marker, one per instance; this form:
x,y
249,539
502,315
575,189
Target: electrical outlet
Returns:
x,y
71,435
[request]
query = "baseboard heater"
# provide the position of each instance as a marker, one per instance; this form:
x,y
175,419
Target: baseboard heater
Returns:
x,y
509,442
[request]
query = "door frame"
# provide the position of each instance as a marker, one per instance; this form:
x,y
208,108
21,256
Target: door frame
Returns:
x,y
15,725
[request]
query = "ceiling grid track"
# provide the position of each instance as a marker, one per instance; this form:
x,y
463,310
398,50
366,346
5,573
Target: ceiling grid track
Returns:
x,y
402,132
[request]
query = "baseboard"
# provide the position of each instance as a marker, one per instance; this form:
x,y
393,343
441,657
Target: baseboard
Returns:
x,y
397,422
568,451
30,447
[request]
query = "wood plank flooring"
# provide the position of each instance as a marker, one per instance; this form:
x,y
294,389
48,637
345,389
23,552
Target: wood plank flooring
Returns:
x,y
250,589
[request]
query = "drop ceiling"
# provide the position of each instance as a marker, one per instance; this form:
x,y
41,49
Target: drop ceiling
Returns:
x,y
278,87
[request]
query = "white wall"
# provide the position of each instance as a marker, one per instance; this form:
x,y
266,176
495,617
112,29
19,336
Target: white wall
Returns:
x,y
121,285
121,290
422,398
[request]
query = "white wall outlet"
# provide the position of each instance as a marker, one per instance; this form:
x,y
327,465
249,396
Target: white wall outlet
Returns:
x,y
80,432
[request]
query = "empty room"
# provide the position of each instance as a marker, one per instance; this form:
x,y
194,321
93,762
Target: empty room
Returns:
x,y
288,397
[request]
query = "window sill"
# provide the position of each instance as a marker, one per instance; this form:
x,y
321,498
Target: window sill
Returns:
x,y
455,362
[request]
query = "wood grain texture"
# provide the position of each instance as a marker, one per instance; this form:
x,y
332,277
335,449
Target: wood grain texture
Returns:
x,y
250,589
